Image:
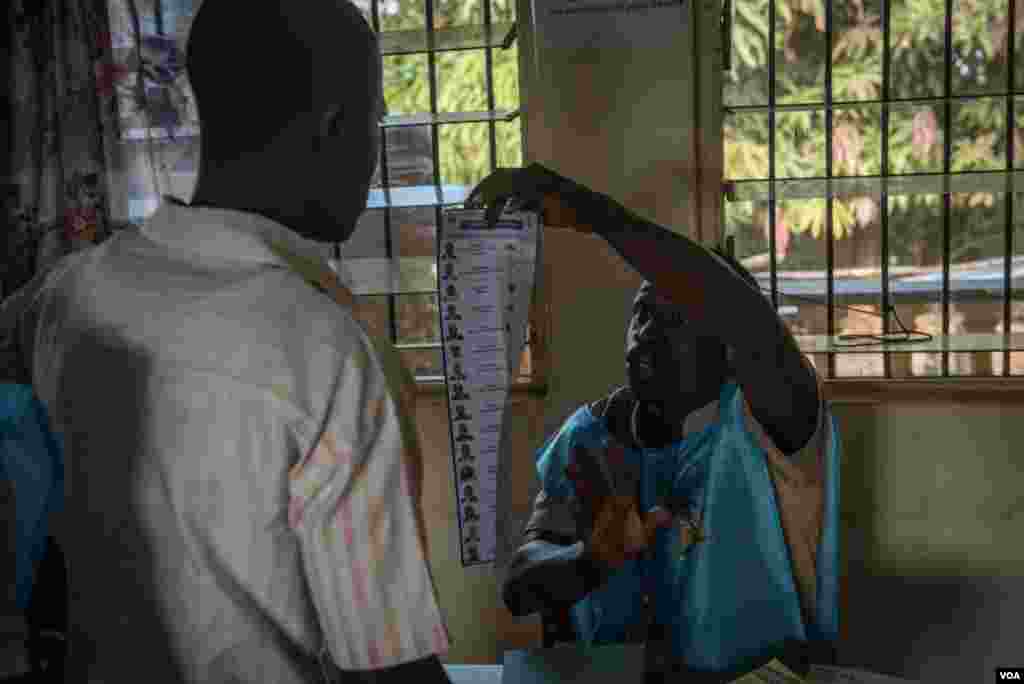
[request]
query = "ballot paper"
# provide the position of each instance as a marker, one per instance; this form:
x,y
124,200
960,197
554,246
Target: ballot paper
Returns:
x,y
485,284
828,674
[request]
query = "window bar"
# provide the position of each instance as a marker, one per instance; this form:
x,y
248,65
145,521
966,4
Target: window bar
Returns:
x,y
829,200
931,99
883,200
773,265
389,249
736,109
158,15
947,165
489,75
432,77
383,157
1011,121
435,147
375,16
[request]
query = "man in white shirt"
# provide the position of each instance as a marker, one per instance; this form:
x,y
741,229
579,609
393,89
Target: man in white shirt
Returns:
x,y
240,506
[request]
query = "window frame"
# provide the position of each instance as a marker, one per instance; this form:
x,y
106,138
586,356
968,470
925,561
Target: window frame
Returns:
x,y
535,382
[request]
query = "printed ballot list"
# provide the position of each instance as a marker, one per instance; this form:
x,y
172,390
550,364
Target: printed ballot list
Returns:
x,y
485,282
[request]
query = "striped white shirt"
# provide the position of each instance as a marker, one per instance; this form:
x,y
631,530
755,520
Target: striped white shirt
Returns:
x,y
237,493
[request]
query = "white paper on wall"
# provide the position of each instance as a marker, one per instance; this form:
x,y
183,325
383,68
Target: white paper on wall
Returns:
x,y
569,24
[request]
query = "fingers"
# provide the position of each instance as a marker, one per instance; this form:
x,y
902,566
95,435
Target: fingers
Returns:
x,y
484,191
496,186
615,453
494,212
502,188
636,537
620,533
656,518
605,544
659,517
609,540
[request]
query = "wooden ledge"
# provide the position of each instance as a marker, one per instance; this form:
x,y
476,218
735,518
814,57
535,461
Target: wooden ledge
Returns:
x,y
946,390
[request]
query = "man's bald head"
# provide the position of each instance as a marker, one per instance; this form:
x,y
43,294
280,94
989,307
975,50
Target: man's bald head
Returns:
x,y
267,76
272,59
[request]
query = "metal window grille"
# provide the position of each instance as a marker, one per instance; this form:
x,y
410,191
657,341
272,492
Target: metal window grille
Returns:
x,y
773,189
434,194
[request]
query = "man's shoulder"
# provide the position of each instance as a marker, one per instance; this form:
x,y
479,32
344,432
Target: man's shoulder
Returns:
x,y
821,424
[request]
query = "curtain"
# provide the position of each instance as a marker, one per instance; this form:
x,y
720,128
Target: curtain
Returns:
x,y
56,195
102,123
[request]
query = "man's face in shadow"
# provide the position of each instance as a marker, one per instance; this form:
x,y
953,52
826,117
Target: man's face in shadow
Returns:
x,y
666,360
353,139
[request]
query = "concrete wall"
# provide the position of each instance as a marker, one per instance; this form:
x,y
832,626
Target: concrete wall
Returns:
x,y
933,520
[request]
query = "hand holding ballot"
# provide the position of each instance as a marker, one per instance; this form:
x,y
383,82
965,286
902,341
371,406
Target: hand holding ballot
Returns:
x,y
562,203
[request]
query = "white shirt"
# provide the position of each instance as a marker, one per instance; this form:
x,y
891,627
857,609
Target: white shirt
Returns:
x,y
237,496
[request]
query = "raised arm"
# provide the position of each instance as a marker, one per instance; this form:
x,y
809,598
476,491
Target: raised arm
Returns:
x,y
779,385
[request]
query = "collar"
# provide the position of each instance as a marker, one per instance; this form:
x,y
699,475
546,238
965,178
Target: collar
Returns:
x,y
696,421
228,234
701,418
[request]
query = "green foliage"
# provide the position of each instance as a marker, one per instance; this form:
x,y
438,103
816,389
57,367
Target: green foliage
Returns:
x,y
916,132
464,149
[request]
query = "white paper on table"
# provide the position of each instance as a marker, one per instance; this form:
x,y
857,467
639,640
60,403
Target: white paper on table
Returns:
x,y
773,672
828,674
485,284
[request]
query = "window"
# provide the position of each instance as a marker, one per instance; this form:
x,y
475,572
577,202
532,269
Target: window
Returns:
x,y
451,82
874,153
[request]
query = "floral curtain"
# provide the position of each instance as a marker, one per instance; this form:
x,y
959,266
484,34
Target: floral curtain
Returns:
x,y
103,124
56,196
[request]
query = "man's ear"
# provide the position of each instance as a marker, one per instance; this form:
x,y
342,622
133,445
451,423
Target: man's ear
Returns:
x,y
330,126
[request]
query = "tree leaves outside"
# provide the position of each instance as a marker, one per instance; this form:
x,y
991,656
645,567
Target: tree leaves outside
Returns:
x,y
464,149
916,132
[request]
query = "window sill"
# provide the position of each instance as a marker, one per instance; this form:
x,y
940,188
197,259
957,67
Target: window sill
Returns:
x,y
938,344
953,390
